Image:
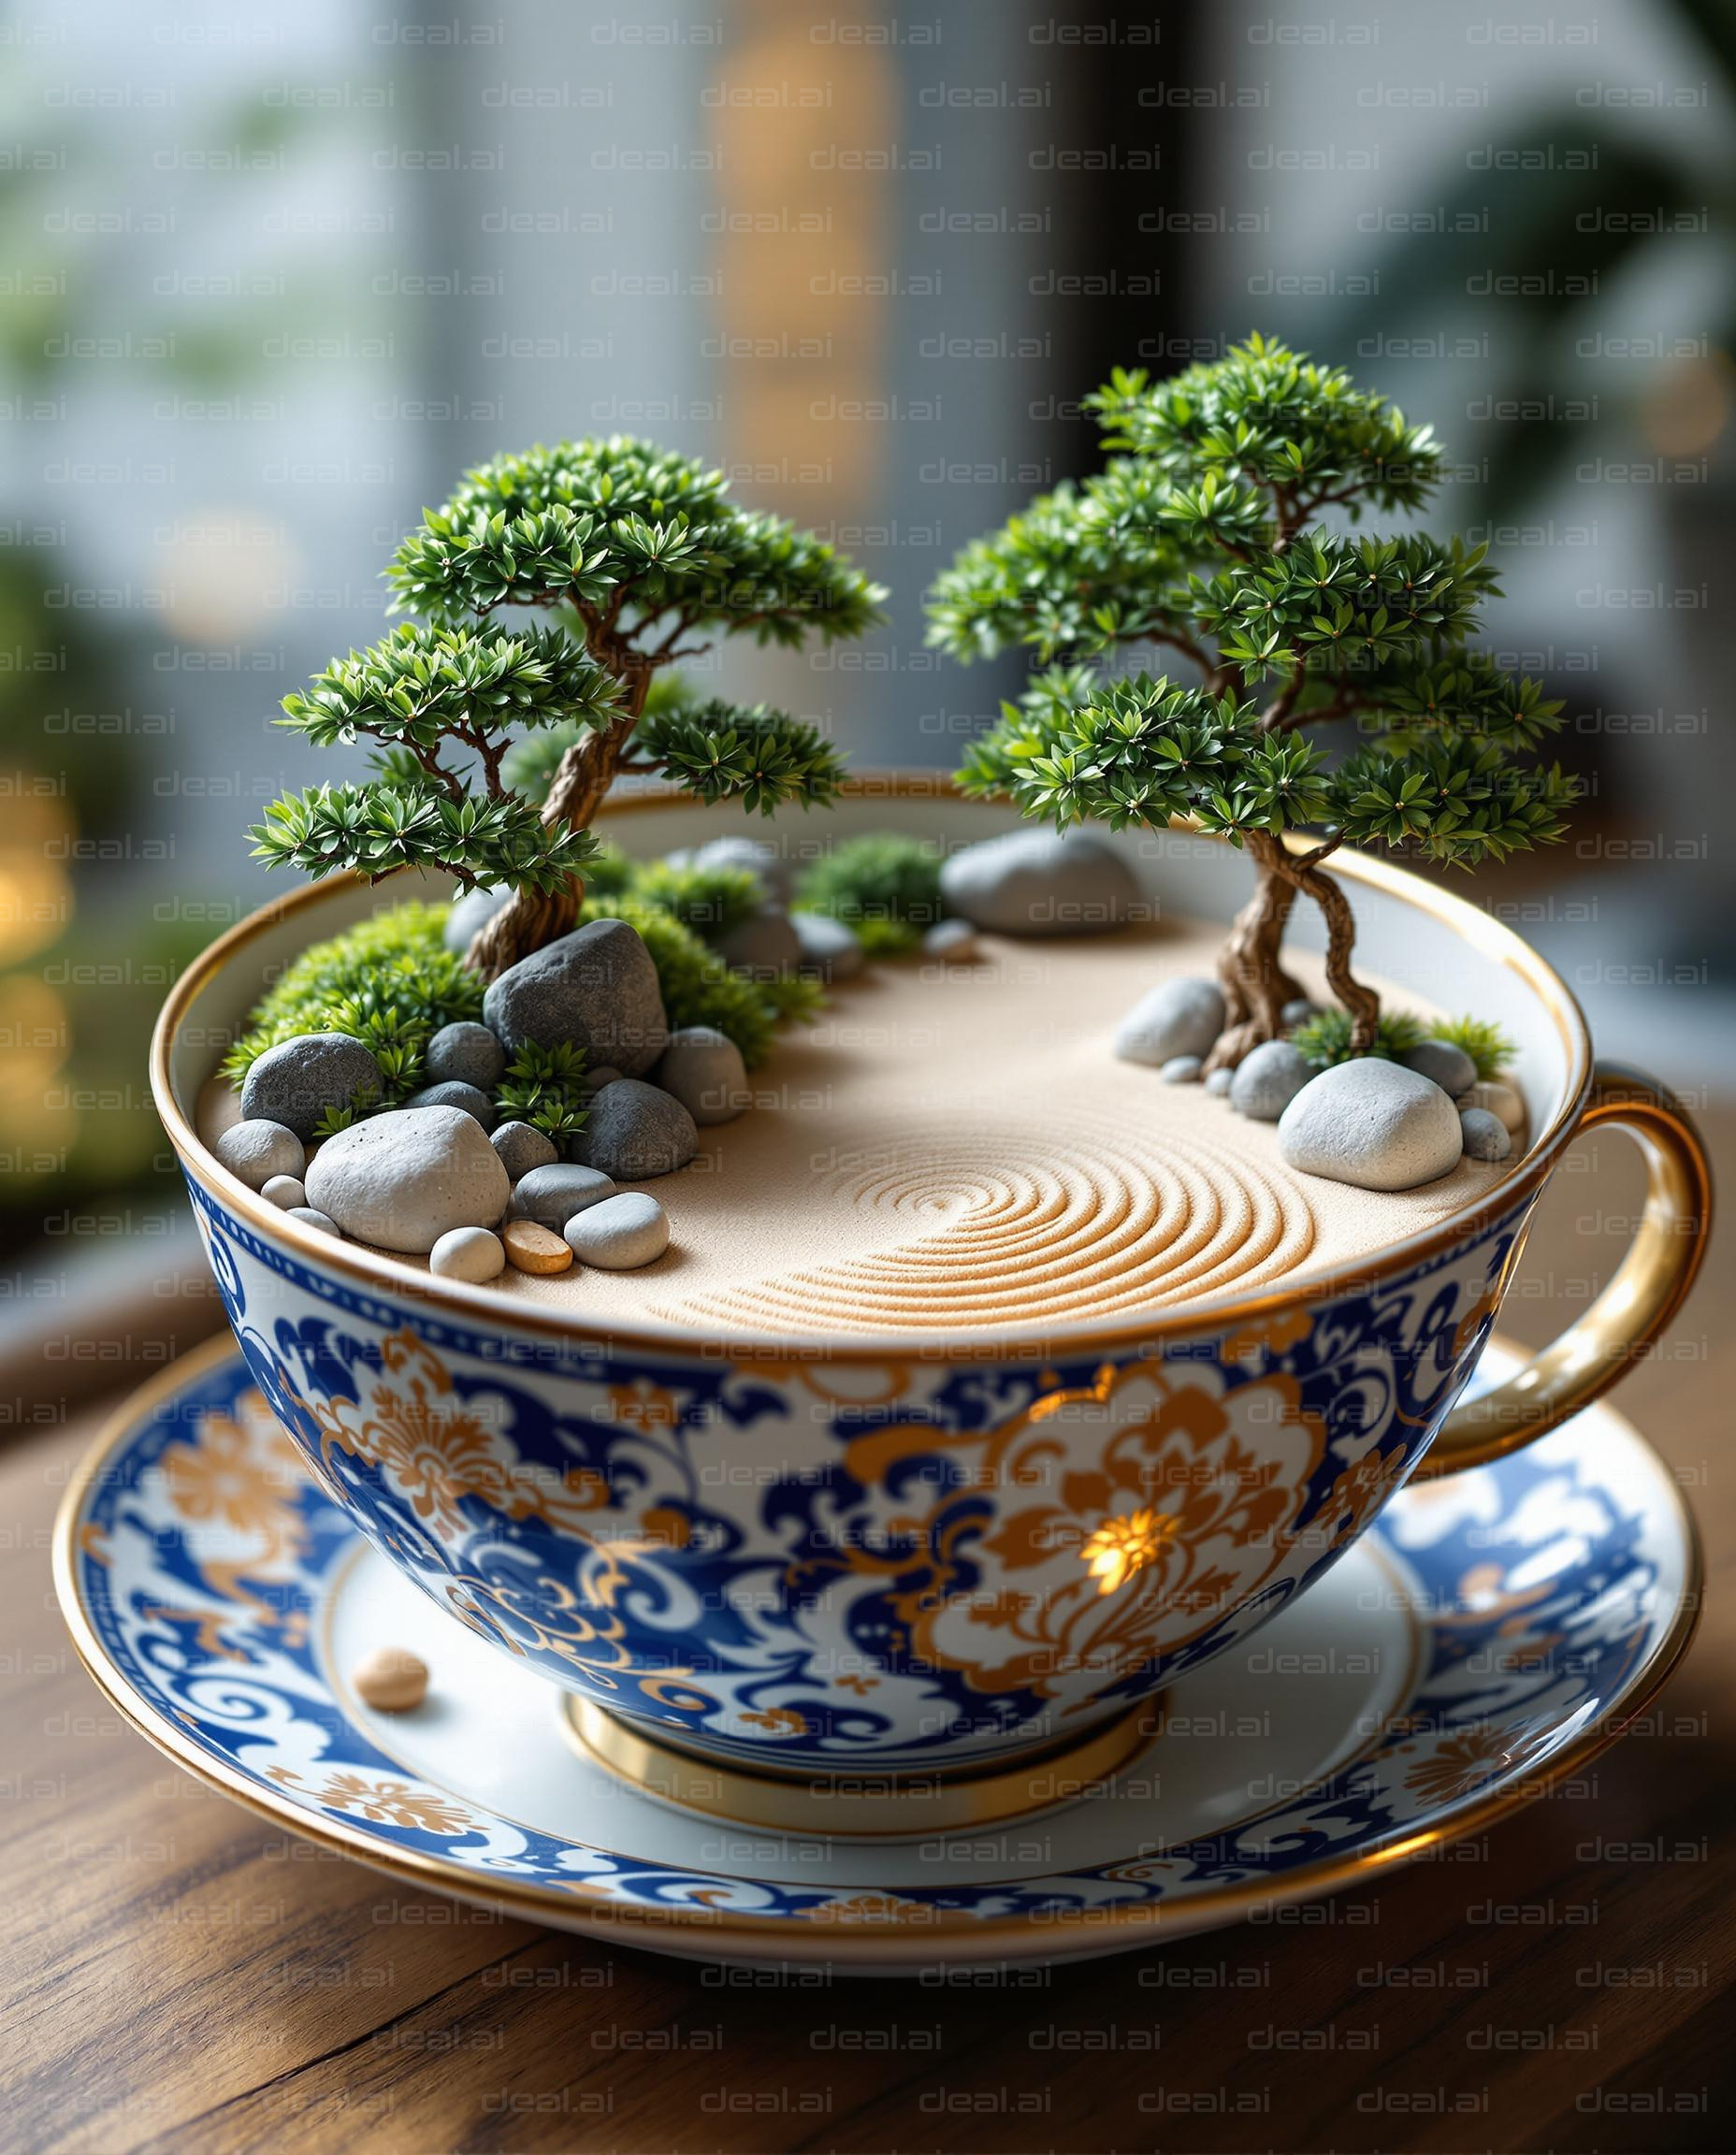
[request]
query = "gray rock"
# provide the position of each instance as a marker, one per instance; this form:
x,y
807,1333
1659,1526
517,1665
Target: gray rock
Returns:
x,y
758,855
954,941
322,1221
403,1180
466,1054
453,1095
520,1148
472,1253
551,1195
1500,1100
1371,1123
1450,1068
1040,883
766,944
594,1080
1486,1136
473,910
636,1131
1296,1013
620,1234
1176,1018
703,1068
258,1151
1218,1084
827,947
1268,1079
285,1192
300,1081
1182,1070
596,987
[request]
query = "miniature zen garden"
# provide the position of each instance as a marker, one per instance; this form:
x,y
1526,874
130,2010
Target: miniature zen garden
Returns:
x,y
588,1065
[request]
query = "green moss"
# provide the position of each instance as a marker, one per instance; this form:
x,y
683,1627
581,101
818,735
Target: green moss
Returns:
x,y
1487,1044
710,898
886,887
1325,1039
389,982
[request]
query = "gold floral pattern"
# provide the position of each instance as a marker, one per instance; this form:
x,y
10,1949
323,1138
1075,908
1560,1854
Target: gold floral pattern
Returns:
x,y
384,1803
436,1453
1461,1763
1155,1500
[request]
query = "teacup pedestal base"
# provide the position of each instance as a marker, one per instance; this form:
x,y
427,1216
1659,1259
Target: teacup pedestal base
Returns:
x,y
856,1803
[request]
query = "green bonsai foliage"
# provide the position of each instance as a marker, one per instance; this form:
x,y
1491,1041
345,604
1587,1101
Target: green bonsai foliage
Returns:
x,y
885,886
640,559
1202,537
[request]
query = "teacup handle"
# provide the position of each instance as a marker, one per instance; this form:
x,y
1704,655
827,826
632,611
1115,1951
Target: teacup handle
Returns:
x,y
1633,1309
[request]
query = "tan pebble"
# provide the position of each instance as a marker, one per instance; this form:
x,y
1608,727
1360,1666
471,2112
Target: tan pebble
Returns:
x,y
535,1248
391,1678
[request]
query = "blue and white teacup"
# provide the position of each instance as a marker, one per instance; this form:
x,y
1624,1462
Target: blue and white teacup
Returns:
x,y
817,1557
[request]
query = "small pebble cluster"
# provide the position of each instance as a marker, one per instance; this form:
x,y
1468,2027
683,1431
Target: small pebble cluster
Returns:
x,y
1376,1124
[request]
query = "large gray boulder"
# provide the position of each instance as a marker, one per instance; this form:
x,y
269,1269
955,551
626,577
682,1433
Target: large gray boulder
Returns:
x,y
1268,1079
1176,1018
597,988
704,1070
297,1082
829,949
401,1180
1448,1064
1374,1124
766,944
635,1132
1040,883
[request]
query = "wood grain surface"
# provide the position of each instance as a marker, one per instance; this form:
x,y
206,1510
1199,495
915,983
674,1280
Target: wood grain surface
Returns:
x,y
177,1976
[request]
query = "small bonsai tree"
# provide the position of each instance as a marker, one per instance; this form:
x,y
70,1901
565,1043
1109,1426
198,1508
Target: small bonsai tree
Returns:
x,y
642,560
1201,537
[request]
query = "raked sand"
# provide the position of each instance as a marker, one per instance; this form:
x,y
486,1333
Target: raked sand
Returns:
x,y
955,1147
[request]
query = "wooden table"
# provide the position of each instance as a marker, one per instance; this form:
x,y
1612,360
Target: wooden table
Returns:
x,y
178,1975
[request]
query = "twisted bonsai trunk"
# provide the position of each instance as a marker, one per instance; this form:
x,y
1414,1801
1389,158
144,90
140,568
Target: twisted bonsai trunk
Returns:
x,y
1250,967
531,919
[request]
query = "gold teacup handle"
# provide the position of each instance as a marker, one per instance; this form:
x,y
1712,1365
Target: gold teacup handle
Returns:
x,y
1645,1293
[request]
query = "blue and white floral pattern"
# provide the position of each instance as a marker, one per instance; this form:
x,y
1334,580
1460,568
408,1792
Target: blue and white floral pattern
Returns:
x,y
829,1562
1548,1588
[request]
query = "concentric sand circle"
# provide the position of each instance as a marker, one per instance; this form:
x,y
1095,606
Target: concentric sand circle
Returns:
x,y
956,1225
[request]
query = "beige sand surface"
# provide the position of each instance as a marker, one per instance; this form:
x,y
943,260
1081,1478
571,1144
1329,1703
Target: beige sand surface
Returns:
x,y
957,1146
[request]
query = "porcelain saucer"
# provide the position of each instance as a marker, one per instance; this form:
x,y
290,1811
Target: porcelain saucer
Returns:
x,y
1493,1630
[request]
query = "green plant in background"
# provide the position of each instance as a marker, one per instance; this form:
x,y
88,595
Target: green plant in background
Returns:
x,y
885,886
1521,224
1488,1047
642,560
1203,537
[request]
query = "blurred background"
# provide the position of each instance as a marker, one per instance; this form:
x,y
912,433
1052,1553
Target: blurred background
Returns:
x,y
273,275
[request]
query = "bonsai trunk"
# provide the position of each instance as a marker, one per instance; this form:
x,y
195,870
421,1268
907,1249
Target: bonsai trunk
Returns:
x,y
530,919
1249,966
1255,984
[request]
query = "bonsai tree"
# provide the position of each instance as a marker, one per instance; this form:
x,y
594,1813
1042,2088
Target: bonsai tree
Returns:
x,y
1202,536
640,559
